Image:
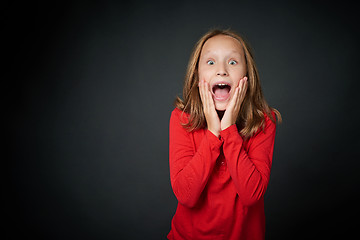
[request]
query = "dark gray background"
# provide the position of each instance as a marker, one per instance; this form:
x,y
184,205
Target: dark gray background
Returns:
x,y
91,87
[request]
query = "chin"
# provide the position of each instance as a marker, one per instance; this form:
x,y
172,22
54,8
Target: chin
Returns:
x,y
221,106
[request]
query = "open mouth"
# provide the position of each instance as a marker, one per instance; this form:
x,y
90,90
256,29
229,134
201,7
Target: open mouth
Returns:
x,y
221,91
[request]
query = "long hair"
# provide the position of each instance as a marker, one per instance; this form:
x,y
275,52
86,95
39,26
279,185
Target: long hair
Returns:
x,y
252,110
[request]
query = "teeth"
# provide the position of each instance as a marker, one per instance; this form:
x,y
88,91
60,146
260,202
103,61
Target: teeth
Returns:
x,y
221,84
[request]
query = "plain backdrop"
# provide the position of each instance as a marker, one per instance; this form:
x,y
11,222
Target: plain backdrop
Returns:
x,y
89,87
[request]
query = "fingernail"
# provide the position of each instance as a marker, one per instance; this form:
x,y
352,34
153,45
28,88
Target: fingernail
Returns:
x,y
245,78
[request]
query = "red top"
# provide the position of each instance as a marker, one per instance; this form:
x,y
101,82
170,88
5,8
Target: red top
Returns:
x,y
219,182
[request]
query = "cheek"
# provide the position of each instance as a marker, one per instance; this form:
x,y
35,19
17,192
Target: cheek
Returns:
x,y
237,82
242,71
205,73
204,76
200,75
238,74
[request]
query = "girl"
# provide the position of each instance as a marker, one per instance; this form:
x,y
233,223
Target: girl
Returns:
x,y
221,143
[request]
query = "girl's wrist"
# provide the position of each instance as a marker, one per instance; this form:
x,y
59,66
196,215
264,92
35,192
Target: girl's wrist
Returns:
x,y
227,124
225,127
216,133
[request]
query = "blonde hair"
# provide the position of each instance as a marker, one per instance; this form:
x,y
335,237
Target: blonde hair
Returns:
x,y
251,114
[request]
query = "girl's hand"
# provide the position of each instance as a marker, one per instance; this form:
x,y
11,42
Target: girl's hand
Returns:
x,y
212,118
232,110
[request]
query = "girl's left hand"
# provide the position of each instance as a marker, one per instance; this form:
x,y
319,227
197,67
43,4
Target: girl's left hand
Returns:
x,y
233,108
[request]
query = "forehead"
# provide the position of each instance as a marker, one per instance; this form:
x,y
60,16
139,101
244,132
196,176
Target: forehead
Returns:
x,y
222,43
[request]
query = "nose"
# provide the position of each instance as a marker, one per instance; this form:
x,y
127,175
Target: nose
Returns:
x,y
221,71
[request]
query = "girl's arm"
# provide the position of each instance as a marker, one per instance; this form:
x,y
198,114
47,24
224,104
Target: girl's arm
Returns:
x,y
190,170
250,170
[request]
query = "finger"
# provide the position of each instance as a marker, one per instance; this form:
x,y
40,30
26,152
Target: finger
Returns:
x,y
234,98
209,99
244,88
242,92
205,95
201,90
242,82
237,102
242,85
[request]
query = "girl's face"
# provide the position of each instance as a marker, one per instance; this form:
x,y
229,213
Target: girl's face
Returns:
x,y
222,65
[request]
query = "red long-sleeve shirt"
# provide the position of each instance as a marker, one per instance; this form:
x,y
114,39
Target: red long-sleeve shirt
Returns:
x,y
219,182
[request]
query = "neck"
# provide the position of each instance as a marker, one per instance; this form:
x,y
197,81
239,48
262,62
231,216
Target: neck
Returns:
x,y
220,114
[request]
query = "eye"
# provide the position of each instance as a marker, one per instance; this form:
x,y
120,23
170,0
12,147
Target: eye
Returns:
x,y
210,62
232,62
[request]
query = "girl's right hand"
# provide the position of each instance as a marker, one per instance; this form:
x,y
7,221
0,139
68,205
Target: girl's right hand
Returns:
x,y
212,118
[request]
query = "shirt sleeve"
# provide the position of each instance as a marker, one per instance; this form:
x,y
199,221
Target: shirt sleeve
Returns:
x,y
250,170
190,169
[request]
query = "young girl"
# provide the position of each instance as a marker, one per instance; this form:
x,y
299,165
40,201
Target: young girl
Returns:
x,y
221,144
